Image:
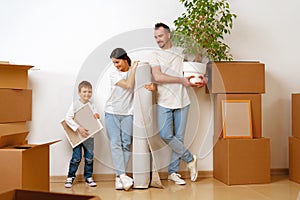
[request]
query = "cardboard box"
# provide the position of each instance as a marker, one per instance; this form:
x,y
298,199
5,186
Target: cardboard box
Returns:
x,y
14,76
15,105
296,115
15,127
38,195
255,111
294,162
236,77
24,166
242,161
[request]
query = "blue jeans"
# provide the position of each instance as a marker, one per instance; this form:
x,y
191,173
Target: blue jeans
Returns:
x,y
172,124
88,148
119,131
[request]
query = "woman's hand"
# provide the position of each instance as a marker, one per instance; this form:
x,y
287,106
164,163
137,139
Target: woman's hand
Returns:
x,y
135,64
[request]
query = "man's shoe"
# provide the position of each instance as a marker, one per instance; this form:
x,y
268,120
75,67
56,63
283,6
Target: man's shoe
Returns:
x,y
176,178
126,181
193,168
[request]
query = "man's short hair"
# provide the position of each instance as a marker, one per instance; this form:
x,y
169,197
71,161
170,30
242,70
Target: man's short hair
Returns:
x,y
85,84
160,24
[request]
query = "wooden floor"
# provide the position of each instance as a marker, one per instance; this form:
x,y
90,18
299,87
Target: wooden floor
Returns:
x,y
280,188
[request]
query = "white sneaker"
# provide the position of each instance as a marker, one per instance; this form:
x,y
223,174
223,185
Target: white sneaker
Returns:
x,y
118,184
176,178
90,182
193,168
69,182
126,181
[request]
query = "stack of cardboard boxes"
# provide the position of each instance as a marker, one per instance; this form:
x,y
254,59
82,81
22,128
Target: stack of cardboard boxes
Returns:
x,y
294,140
239,160
23,165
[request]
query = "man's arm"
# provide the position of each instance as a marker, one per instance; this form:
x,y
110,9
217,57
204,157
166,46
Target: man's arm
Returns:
x,y
165,78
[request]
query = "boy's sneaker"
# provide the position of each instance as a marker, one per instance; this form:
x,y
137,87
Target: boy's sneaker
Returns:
x,y
118,184
176,178
126,181
193,168
69,182
90,182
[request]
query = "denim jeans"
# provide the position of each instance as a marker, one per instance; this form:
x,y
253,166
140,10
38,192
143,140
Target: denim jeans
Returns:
x,y
172,124
119,131
88,148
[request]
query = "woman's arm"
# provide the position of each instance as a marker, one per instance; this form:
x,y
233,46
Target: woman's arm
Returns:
x,y
129,83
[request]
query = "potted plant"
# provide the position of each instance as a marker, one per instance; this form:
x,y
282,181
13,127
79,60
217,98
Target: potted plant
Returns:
x,y
200,31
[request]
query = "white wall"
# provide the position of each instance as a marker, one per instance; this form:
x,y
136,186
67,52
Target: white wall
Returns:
x,y
58,36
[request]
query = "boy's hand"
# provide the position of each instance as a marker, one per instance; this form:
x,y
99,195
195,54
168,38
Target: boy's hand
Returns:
x,y
151,87
96,116
83,132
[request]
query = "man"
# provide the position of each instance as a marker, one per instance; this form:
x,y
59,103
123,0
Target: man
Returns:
x,y
173,101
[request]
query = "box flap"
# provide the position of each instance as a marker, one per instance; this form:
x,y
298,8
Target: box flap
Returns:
x,y
45,144
12,139
5,66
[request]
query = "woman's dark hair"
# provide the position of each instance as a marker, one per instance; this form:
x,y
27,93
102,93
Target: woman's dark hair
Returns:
x,y
120,53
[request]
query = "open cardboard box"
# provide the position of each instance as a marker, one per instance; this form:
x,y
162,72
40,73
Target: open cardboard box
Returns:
x,y
236,77
14,76
38,195
24,166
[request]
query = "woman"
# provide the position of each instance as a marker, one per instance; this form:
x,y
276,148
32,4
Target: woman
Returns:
x,y
119,114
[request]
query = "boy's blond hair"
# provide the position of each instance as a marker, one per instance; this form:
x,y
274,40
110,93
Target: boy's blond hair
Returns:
x,y
85,84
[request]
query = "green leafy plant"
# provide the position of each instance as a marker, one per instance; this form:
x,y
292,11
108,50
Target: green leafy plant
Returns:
x,y
202,27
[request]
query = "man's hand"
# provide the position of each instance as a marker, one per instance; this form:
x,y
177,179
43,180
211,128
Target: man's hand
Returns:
x,y
199,84
186,81
83,132
151,87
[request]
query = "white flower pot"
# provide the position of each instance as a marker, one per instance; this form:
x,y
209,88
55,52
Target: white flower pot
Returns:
x,y
195,69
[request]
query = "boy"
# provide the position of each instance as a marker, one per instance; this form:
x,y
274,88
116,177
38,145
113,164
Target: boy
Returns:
x,y
85,94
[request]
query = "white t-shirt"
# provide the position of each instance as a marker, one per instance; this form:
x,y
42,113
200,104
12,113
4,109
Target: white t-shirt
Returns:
x,y
120,100
75,106
170,95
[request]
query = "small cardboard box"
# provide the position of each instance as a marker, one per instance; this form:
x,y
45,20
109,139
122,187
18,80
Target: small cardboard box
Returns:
x,y
294,162
39,195
15,105
14,127
24,166
255,112
14,76
296,115
242,161
236,77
